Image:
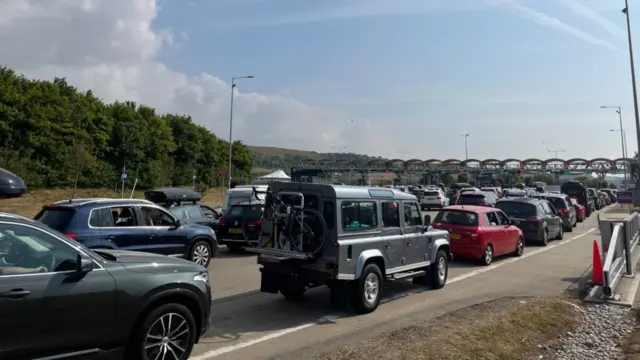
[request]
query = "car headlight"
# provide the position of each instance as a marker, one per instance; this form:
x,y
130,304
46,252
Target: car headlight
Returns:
x,y
203,276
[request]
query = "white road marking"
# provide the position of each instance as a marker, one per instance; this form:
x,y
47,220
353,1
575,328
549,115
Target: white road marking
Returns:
x,y
231,348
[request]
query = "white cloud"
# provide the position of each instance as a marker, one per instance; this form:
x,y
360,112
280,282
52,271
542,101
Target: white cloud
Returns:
x,y
110,46
593,15
554,23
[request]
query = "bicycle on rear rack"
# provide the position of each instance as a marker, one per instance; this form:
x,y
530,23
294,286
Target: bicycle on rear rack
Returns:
x,y
287,225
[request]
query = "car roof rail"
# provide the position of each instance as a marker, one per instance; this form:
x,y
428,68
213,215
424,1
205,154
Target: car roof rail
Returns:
x,y
106,200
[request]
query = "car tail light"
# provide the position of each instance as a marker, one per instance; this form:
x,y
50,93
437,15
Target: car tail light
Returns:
x,y
71,236
563,211
254,223
534,219
476,233
222,222
421,197
439,197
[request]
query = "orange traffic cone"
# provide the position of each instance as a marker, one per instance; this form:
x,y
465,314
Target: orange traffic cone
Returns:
x,y
596,270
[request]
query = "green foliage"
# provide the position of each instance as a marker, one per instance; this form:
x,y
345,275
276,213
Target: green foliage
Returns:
x,y
51,134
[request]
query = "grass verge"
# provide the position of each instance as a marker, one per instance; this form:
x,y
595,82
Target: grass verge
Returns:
x,y
29,204
506,329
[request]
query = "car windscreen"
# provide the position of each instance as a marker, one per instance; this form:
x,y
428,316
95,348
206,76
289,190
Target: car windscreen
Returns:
x,y
57,218
431,193
418,192
457,217
472,199
557,202
517,209
250,212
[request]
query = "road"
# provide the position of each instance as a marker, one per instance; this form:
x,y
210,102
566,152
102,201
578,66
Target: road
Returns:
x,y
247,324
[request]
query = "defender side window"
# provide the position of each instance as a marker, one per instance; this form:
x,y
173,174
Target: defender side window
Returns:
x,y
329,214
359,215
390,214
412,215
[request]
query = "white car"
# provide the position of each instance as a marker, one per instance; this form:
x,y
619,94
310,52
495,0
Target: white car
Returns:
x,y
433,198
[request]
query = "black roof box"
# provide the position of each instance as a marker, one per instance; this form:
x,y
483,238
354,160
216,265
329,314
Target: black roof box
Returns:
x,y
172,196
11,185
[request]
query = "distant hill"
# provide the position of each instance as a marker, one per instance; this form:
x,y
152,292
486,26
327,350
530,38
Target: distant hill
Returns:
x,y
267,159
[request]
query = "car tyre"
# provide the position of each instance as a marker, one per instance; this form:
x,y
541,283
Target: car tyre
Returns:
x,y
569,228
439,271
519,247
367,290
560,234
545,237
234,248
144,343
201,253
487,255
293,292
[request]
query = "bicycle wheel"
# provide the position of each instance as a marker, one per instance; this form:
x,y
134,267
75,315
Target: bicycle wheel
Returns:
x,y
309,224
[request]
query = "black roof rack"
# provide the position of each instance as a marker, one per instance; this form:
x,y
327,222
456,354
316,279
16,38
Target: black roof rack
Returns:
x,y
172,196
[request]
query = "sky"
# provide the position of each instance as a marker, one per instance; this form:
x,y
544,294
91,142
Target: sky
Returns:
x,y
392,78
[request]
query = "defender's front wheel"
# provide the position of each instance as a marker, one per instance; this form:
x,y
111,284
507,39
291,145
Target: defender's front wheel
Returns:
x,y
439,270
367,290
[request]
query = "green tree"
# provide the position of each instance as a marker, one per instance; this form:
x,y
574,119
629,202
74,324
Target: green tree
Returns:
x,y
51,135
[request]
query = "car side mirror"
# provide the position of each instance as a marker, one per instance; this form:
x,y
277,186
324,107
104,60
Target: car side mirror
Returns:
x,y
177,224
427,220
83,264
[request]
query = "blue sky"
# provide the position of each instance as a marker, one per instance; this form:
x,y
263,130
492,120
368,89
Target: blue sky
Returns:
x,y
489,68
377,76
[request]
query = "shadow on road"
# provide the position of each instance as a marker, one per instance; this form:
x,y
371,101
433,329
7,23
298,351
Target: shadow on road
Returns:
x,y
250,314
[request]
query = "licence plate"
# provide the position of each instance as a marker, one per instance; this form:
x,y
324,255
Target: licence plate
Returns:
x,y
235,231
455,236
431,198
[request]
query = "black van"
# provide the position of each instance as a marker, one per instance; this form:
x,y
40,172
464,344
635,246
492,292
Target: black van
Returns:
x,y
576,190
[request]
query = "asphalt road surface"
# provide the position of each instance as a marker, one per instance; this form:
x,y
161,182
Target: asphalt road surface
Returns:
x,y
247,324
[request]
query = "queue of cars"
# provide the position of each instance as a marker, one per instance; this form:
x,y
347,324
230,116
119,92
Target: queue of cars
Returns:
x,y
136,269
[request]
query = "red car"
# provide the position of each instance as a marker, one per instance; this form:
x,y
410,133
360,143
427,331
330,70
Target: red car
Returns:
x,y
580,210
479,233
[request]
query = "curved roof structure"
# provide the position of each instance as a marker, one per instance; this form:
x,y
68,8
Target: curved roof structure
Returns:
x,y
573,163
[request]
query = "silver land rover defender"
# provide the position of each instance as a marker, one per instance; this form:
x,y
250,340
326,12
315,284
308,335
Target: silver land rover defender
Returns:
x,y
351,239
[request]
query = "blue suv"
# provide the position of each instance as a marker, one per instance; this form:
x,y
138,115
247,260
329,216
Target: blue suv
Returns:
x,y
130,224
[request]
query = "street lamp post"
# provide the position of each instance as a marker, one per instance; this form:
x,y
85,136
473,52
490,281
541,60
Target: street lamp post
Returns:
x,y
556,152
622,134
233,86
633,73
466,149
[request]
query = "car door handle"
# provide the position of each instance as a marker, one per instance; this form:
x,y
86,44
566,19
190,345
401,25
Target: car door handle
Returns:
x,y
110,238
387,245
15,294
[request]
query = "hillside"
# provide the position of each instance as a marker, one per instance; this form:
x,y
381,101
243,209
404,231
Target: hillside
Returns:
x,y
267,159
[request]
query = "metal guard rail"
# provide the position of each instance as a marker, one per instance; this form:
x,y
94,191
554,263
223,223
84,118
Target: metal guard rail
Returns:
x,y
613,266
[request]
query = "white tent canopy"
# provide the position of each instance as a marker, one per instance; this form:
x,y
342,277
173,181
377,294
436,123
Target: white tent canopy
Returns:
x,y
277,175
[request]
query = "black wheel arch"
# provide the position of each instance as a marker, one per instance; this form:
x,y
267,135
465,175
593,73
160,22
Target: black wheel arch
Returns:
x,y
180,296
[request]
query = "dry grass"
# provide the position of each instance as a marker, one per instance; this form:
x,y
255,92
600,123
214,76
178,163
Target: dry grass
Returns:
x,y
29,204
276,151
506,329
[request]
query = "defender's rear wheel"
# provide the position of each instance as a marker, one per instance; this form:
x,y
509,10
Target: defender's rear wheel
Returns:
x,y
367,290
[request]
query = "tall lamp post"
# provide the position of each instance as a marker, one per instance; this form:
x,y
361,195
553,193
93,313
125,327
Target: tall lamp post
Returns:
x,y
233,86
633,73
556,152
466,149
622,134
